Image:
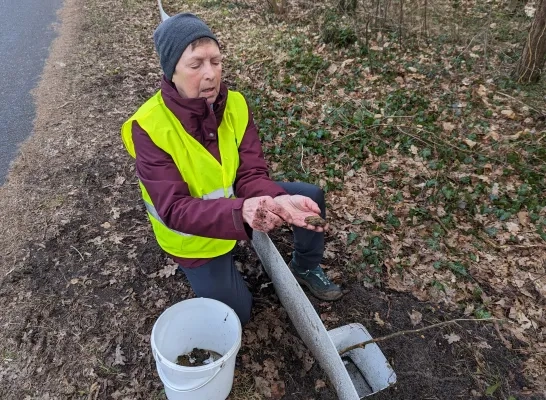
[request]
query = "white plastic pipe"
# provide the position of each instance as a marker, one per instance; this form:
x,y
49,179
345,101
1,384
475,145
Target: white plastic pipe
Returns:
x,y
304,317
162,13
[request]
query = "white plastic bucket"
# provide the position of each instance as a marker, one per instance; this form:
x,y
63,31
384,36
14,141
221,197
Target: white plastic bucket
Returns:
x,y
205,324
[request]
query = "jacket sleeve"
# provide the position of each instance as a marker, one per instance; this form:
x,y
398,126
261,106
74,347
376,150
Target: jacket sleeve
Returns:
x,y
252,178
218,218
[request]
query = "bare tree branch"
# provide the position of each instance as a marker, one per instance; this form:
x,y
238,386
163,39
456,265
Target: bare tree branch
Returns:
x,y
400,333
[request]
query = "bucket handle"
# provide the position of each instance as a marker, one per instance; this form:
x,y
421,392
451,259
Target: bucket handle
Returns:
x,y
203,384
158,357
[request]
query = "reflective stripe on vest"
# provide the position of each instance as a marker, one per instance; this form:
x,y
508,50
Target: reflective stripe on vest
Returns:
x,y
153,212
217,194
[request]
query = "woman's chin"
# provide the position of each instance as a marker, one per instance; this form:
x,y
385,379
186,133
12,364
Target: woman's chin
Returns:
x,y
211,98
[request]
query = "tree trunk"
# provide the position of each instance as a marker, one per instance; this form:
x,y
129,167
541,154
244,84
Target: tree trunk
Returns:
x,y
534,53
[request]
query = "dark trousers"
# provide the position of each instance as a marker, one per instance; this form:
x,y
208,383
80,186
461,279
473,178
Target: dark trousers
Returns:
x,y
219,279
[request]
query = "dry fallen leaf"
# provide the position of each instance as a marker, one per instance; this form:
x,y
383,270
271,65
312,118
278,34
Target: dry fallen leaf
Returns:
x,y
277,95
332,69
97,241
119,180
116,238
160,303
523,217
319,384
263,332
495,190
509,114
277,390
120,358
452,338
512,227
494,135
115,212
334,275
530,9
515,136
308,361
448,127
378,319
167,270
416,317
262,386
483,345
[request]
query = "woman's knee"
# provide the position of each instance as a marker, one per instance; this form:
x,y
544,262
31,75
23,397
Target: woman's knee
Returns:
x,y
308,190
305,189
240,302
236,295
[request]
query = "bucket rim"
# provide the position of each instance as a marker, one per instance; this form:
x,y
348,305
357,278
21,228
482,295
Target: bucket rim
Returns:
x,y
218,363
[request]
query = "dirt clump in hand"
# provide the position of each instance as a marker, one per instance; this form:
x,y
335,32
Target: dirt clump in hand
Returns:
x,y
197,358
315,220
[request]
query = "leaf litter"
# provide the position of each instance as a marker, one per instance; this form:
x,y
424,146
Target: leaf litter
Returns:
x,y
79,190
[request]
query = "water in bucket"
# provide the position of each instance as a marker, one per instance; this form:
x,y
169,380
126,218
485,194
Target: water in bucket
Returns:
x,y
196,323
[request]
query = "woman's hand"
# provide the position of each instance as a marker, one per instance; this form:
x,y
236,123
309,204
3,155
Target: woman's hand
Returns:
x,y
300,207
264,214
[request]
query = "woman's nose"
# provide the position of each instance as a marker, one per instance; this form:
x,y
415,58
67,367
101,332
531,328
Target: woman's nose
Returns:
x,y
209,71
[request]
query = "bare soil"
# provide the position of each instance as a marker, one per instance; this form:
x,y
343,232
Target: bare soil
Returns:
x,y
427,366
82,280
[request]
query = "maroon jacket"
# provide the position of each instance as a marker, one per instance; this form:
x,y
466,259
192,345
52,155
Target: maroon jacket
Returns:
x,y
219,218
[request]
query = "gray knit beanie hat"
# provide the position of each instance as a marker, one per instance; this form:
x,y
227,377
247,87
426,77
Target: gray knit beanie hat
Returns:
x,y
176,33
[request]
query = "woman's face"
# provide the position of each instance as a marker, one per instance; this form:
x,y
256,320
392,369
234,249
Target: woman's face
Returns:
x,y
199,71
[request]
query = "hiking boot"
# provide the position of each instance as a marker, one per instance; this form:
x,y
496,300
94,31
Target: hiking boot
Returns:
x,y
317,282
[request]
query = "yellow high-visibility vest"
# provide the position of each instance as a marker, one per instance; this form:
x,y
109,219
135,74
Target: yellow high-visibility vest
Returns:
x,y
206,177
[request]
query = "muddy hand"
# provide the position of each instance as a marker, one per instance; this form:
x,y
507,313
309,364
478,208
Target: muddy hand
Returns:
x,y
264,214
301,208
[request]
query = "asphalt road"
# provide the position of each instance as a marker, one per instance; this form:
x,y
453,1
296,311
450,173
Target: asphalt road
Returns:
x,y
26,31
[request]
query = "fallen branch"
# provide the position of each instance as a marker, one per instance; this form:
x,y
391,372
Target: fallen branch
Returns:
x,y
401,333
77,251
522,102
437,219
483,237
301,161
